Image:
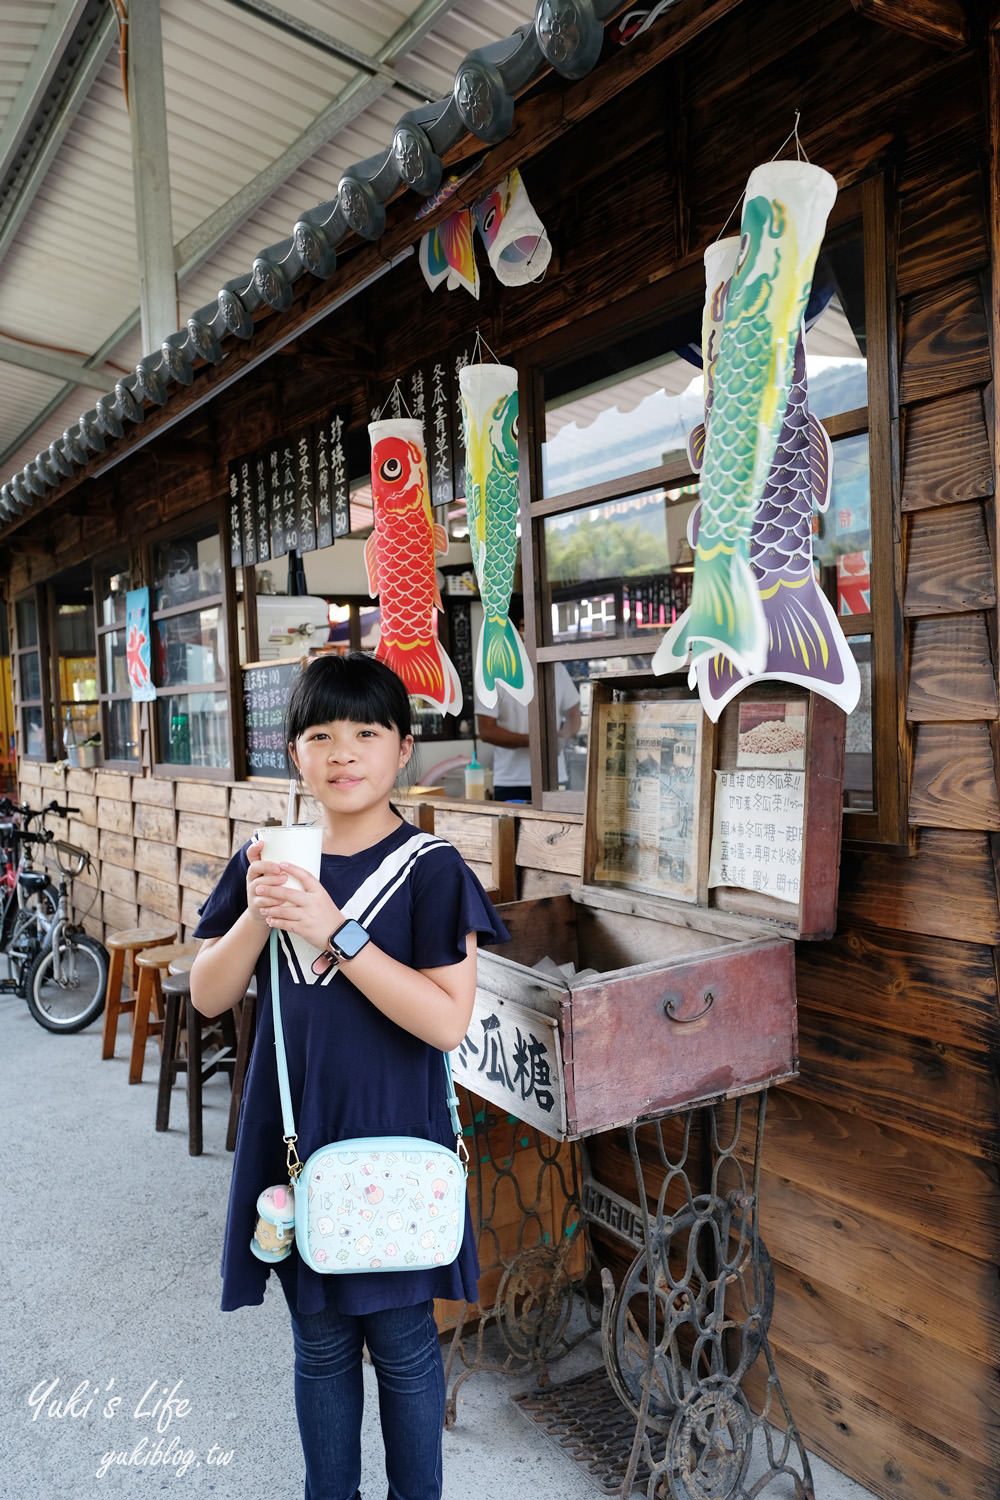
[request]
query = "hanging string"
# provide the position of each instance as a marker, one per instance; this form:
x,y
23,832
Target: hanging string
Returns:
x,y
481,344
397,390
800,154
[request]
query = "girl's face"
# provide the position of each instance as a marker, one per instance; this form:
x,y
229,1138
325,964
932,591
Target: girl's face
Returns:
x,y
350,767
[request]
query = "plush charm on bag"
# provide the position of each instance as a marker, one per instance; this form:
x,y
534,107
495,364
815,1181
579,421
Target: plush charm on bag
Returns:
x,y
489,425
399,557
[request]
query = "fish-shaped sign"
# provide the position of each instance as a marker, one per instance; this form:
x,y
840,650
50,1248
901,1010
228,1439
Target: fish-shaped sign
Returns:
x,y
805,642
489,423
400,558
446,254
785,212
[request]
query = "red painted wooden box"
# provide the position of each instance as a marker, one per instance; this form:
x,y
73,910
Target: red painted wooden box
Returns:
x,y
707,849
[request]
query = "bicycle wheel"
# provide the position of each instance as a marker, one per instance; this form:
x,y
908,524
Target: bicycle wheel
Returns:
x,y
76,1000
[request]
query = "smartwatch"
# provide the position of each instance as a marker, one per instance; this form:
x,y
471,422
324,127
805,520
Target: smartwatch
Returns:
x,y
348,940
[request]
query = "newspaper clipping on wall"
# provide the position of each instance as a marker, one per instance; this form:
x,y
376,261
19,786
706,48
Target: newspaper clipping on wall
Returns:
x,y
647,809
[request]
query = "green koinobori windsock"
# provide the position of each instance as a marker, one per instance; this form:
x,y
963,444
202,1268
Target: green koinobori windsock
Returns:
x,y
489,422
784,215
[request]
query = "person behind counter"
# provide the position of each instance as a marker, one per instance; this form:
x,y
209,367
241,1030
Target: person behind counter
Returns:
x,y
506,728
364,1057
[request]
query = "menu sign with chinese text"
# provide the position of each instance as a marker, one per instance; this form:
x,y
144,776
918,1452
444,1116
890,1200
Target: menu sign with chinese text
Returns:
x,y
757,832
511,1056
266,686
648,809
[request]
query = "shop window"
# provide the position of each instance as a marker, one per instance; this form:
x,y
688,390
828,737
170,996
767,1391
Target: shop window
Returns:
x,y
78,711
192,723
33,703
119,715
608,542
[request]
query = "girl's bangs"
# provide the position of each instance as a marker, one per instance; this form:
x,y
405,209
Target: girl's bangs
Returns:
x,y
353,687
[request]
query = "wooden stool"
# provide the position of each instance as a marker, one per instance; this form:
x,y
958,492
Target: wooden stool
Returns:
x,y
131,941
152,964
176,990
244,1046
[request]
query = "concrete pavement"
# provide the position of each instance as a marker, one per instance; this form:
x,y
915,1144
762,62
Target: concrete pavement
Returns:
x,y
113,1342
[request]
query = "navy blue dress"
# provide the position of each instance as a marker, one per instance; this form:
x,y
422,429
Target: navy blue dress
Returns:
x,y
352,1071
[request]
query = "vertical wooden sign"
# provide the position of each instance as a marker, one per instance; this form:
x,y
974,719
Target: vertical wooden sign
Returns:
x,y
438,432
289,497
415,391
340,481
305,508
460,357
235,526
248,514
275,501
321,474
262,509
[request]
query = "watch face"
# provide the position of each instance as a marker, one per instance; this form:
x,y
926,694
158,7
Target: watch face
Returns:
x,y
349,939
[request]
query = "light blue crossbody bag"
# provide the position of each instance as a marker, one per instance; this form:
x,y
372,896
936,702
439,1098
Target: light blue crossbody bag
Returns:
x,y
376,1203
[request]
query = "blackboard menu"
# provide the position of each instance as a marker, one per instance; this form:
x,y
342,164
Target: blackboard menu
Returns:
x,y
460,622
266,686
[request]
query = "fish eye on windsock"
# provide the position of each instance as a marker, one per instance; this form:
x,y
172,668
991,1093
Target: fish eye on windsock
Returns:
x,y
390,469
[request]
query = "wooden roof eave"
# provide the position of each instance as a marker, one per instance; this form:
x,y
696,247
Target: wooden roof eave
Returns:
x,y
169,387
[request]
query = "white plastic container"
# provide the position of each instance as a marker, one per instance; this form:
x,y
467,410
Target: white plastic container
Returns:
x,y
475,781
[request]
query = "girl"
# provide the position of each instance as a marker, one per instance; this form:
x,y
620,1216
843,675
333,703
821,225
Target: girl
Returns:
x,y
364,1048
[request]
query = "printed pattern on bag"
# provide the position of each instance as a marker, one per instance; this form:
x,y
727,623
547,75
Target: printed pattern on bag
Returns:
x,y
400,1208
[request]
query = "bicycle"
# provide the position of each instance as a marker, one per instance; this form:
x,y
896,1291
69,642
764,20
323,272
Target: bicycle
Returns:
x,y
57,968
28,897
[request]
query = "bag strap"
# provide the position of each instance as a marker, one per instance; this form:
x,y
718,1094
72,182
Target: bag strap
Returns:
x,y
370,897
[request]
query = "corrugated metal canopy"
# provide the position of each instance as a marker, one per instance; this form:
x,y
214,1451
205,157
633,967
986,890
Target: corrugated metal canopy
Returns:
x,y
263,119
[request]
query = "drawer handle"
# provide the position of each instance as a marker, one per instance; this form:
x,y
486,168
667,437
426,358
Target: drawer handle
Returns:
x,y
673,1003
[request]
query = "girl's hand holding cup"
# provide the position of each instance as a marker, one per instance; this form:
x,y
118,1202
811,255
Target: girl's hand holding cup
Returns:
x,y
284,891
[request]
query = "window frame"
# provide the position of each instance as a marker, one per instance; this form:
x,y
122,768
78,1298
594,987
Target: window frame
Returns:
x,y
121,561
868,204
199,523
37,595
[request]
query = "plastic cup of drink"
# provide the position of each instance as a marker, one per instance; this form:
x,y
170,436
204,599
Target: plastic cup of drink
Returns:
x,y
300,844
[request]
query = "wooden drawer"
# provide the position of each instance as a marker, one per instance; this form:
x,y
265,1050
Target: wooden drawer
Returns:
x,y
695,1016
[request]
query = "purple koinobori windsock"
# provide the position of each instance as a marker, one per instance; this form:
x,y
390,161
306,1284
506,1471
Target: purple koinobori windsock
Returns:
x,y
784,216
805,642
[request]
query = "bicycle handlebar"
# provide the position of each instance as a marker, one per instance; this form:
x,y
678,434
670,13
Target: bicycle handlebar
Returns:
x,y
57,811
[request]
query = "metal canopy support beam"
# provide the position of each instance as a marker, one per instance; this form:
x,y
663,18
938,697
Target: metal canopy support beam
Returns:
x,y
59,366
51,46
205,239
331,45
151,174
91,64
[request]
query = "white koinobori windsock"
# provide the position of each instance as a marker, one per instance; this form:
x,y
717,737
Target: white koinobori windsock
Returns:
x,y
517,247
489,421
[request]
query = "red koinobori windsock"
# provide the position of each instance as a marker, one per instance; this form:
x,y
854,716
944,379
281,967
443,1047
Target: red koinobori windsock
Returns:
x,y
399,556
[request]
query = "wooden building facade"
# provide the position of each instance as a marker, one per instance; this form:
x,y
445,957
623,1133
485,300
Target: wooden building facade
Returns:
x,y
881,1182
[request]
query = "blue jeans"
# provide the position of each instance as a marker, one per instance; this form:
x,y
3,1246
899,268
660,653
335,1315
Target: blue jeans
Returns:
x,y
329,1398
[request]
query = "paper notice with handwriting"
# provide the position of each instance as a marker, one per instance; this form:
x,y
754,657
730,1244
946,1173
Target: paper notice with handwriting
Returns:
x,y
757,832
